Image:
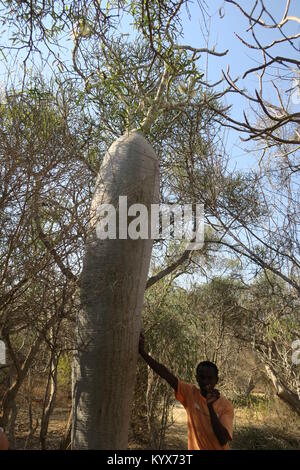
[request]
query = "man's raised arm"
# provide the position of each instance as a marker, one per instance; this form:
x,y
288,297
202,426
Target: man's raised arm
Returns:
x,y
156,366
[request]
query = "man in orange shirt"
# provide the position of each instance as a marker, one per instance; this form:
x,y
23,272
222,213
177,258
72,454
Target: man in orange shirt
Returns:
x,y
210,414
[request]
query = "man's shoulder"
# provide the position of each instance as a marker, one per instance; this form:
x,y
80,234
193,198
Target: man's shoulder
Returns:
x,y
183,383
186,386
225,403
186,393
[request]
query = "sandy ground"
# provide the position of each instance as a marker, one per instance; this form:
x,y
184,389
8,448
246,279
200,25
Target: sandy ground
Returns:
x,y
176,436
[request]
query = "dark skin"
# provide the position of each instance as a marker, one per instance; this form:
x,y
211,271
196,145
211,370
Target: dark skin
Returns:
x,y
206,378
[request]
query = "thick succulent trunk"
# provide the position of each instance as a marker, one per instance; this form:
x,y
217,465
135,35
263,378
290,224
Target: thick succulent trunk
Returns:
x,y
113,282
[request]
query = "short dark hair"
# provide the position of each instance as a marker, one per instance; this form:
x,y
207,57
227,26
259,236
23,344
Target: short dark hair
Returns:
x,y
208,364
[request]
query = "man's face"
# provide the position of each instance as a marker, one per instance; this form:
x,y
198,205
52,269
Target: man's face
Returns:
x,y
206,378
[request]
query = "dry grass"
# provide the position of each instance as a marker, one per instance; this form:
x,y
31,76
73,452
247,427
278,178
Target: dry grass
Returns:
x,y
260,423
265,423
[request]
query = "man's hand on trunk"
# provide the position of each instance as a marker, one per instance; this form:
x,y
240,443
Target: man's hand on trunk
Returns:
x,y
141,343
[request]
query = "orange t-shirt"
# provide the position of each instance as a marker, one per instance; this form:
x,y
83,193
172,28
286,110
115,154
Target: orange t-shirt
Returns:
x,y
200,432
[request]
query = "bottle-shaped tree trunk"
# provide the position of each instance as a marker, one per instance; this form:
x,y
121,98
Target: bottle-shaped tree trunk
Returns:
x,y
113,282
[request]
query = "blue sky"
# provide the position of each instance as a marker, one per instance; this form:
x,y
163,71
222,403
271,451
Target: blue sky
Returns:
x,y
239,58
226,20
222,28
222,35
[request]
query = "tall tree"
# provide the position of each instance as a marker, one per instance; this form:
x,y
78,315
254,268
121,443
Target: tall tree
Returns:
x,y
145,85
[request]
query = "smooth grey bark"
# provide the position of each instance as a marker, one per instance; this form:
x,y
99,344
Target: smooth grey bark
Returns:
x,y
113,283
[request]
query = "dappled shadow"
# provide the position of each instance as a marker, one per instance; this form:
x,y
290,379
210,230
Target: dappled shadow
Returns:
x,y
263,437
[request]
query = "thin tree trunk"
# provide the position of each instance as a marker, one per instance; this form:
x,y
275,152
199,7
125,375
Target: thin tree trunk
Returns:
x,y
250,386
65,443
32,428
113,283
286,395
21,371
12,423
50,396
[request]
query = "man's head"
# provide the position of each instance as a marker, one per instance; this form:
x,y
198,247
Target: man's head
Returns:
x,y
206,375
